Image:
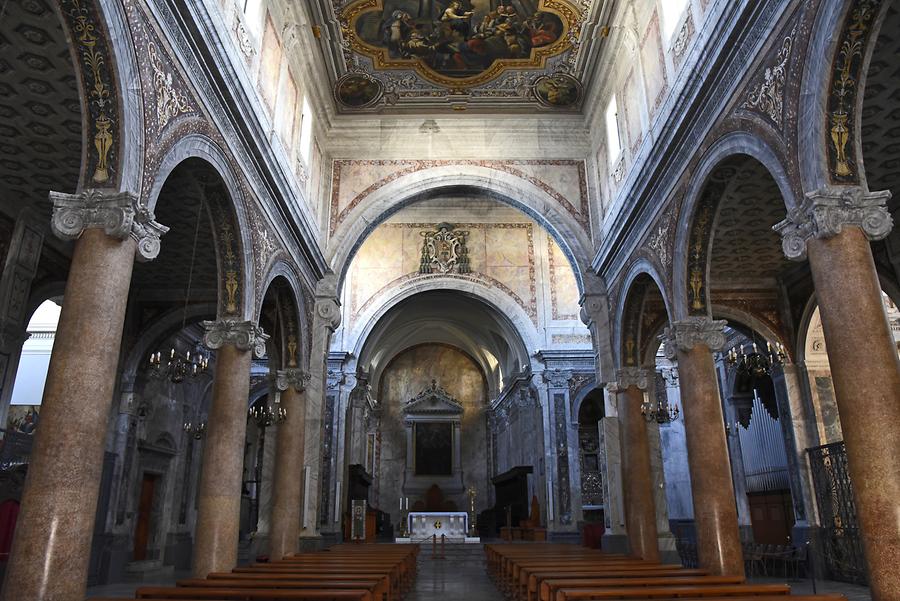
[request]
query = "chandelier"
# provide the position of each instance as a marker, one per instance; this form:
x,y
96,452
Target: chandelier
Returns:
x,y
174,366
755,363
197,430
266,415
661,413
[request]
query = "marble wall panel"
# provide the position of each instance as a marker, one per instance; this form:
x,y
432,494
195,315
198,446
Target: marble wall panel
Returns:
x,y
564,295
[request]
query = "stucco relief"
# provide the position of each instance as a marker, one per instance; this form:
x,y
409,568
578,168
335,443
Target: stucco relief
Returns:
x,y
353,180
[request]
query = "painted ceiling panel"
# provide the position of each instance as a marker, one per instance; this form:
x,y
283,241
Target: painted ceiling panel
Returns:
x,y
458,55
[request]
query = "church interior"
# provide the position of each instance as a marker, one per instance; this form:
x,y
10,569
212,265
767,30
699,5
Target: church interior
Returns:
x,y
429,299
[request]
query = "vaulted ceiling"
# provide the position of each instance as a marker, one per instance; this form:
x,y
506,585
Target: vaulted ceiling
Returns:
x,y
456,55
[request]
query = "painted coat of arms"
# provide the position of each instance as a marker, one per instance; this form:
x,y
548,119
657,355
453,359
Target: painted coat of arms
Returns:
x,y
444,250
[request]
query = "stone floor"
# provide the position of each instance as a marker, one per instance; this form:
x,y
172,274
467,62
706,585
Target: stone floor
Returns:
x,y
461,575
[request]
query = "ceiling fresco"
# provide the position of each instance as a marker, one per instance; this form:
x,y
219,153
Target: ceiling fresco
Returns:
x,y
460,54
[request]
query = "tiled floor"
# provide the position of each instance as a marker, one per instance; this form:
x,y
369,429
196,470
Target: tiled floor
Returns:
x,y
462,576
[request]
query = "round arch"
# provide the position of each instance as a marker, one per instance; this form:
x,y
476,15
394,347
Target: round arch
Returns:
x,y
282,270
732,145
202,148
496,300
641,268
490,183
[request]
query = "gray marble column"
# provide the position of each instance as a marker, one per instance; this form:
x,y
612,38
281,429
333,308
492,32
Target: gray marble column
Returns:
x,y
833,228
219,493
326,319
561,459
52,544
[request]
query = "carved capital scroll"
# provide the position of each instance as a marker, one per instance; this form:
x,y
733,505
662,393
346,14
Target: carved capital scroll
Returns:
x,y
244,335
824,213
292,378
119,214
686,334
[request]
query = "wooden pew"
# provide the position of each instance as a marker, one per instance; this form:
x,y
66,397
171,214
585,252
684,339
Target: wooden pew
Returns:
x,y
357,590
311,595
670,591
534,578
377,584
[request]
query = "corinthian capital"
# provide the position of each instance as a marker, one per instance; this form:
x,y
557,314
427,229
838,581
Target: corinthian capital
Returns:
x,y
824,213
244,335
639,377
119,214
558,378
686,334
292,378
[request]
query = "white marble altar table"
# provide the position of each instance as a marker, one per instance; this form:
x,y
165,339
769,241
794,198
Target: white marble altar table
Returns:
x,y
424,524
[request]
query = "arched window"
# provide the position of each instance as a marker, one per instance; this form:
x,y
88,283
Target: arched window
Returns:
x,y
253,13
306,130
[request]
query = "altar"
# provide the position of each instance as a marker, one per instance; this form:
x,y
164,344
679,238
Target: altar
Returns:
x,y
425,524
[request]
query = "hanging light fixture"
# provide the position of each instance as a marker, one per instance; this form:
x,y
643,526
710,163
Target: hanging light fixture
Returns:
x,y
174,365
755,363
266,415
197,430
659,412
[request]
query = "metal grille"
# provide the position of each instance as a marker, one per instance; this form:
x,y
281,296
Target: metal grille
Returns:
x,y
841,550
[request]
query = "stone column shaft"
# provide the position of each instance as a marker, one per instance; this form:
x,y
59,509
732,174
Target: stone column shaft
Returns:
x,y
718,540
640,507
866,376
49,558
285,532
833,228
219,493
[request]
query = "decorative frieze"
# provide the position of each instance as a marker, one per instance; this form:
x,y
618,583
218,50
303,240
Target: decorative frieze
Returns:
x,y
119,214
686,334
245,335
291,378
824,213
767,96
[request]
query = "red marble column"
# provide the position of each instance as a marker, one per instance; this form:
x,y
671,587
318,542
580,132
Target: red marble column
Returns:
x,y
715,515
219,493
866,375
640,507
51,549
288,484
833,227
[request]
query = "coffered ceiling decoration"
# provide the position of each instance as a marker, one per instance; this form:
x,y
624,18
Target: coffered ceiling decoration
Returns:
x,y
460,54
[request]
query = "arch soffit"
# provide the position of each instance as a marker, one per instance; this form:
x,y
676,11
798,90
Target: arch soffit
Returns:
x,y
499,302
730,145
282,269
642,267
198,146
830,22
501,186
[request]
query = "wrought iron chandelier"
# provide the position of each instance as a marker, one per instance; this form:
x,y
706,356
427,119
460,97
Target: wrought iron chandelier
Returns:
x,y
755,363
173,365
659,412
197,430
266,415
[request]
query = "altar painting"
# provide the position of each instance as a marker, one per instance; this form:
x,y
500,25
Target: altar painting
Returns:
x,y
434,448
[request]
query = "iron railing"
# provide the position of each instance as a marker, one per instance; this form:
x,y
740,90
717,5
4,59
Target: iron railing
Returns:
x,y
841,547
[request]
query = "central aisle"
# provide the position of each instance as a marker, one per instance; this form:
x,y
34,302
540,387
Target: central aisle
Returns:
x,y
461,575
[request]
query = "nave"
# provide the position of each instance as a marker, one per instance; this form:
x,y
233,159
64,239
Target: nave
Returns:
x,y
522,572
